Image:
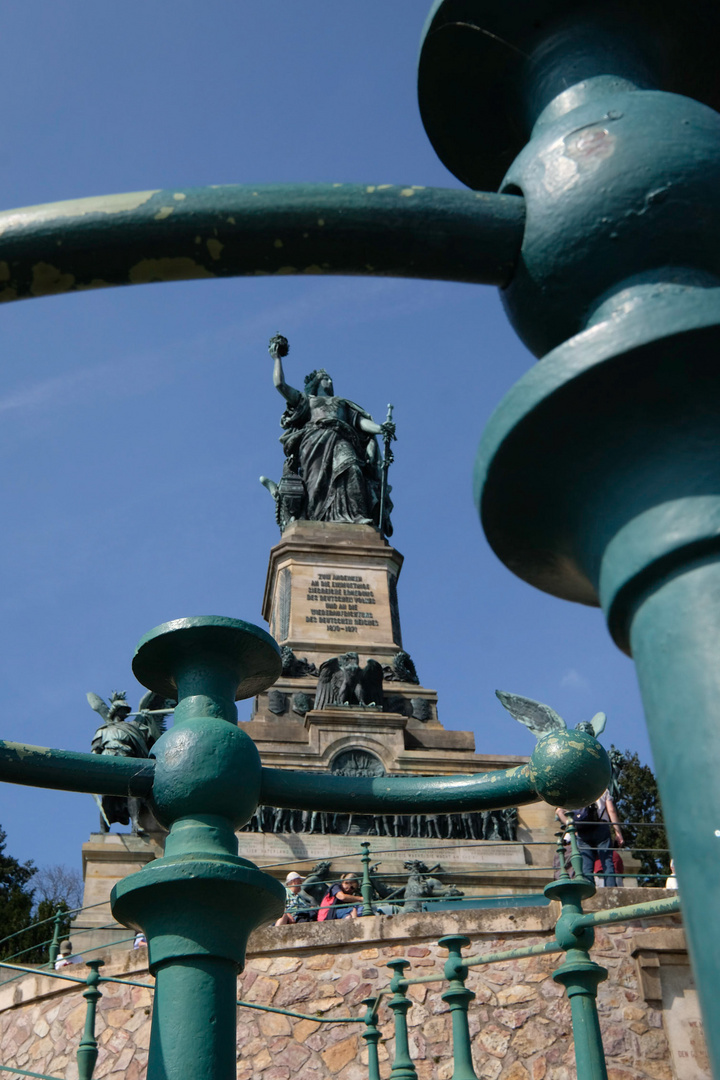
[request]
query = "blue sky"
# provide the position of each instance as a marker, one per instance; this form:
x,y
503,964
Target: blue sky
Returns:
x,y
134,423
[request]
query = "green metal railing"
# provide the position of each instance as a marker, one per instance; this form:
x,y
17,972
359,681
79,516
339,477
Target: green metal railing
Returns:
x,y
578,973
596,480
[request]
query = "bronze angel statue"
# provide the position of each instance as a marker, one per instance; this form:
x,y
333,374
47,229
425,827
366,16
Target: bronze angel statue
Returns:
x,y
122,737
542,720
341,681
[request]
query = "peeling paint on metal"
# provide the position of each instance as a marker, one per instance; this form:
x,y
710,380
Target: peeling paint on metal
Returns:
x,y
214,247
180,268
277,243
163,212
4,271
179,196
232,221
286,270
313,269
100,204
47,280
321,221
407,191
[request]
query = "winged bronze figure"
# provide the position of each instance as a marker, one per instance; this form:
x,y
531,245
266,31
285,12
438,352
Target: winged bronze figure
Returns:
x,y
341,681
542,720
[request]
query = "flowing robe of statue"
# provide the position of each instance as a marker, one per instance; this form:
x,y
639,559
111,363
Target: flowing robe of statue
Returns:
x,y
338,461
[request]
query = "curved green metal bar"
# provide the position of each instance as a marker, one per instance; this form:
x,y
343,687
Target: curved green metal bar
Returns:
x,y
566,769
100,774
233,230
68,770
397,794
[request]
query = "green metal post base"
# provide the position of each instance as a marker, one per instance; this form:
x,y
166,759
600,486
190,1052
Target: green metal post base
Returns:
x,y
198,904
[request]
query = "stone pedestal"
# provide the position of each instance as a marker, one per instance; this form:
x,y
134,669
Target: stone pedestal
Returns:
x,y
108,857
332,587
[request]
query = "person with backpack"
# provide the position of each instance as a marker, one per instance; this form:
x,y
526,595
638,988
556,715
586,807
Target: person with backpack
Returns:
x,y
334,903
596,826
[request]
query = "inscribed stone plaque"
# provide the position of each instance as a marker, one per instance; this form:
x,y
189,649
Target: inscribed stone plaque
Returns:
x,y
683,1026
348,606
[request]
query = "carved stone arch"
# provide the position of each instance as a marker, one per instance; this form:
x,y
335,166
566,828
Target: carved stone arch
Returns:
x,y
357,761
369,744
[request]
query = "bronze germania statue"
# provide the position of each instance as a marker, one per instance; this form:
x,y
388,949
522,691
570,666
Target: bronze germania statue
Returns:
x,y
333,467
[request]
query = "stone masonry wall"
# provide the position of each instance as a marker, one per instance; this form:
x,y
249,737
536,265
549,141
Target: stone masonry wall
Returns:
x,y
519,1021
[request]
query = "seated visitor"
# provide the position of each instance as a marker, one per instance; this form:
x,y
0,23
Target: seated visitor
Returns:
x,y
65,957
298,905
334,904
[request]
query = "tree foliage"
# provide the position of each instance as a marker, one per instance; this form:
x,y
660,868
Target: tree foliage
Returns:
x,y
19,911
16,897
638,801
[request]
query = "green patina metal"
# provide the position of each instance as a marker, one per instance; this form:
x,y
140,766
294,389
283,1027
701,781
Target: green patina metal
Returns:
x,y
315,1017
458,998
198,904
399,1004
54,948
371,1035
578,974
597,477
87,1054
26,1072
231,230
567,768
366,887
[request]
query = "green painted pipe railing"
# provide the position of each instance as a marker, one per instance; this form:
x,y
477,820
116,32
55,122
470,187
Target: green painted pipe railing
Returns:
x,y
231,230
596,479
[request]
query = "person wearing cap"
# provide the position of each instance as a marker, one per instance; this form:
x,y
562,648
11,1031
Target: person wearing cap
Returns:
x,y
298,905
66,957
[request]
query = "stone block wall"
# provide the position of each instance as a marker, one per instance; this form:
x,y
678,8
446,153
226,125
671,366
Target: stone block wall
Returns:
x,y
519,1021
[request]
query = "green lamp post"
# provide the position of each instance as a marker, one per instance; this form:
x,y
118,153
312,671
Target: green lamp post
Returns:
x,y
598,476
200,901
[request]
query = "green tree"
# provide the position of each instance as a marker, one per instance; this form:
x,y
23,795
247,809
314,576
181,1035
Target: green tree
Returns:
x,y
638,805
16,896
19,913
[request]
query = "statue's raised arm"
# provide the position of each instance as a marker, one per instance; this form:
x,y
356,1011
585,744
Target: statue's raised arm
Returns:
x,y
278,348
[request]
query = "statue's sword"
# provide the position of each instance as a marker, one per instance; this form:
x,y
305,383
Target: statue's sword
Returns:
x,y
388,458
98,800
